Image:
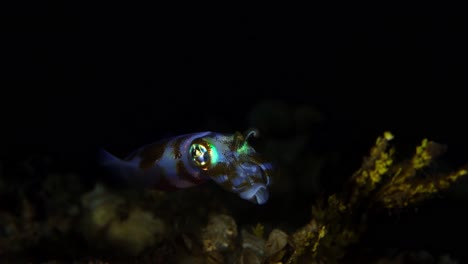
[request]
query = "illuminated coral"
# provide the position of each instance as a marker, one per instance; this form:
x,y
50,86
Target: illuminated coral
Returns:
x,y
381,182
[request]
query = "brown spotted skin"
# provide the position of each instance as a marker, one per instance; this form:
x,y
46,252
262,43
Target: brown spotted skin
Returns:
x,y
184,174
176,147
149,155
167,160
189,160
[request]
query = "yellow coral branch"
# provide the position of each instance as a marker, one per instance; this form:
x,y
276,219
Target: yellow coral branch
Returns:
x,y
373,168
405,188
381,181
321,233
258,230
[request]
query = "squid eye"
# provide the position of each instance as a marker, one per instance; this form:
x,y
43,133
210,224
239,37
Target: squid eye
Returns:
x,y
200,155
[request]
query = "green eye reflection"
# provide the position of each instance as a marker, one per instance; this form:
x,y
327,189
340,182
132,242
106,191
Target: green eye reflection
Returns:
x,y
203,156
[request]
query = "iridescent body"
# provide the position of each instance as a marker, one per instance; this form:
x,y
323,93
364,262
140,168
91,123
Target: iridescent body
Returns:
x,y
188,160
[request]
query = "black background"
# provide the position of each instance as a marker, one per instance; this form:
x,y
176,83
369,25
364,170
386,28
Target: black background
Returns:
x,y
77,75
121,74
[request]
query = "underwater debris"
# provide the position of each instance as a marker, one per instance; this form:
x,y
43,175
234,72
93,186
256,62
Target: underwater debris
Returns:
x,y
248,256
275,245
253,242
218,237
258,230
253,248
21,230
36,216
100,207
129,229
137,232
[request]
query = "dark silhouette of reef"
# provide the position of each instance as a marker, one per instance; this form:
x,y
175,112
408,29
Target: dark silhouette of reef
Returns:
x,y
383,211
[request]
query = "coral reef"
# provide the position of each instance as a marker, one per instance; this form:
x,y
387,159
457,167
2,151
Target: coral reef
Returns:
x,y
105,218
53,215
380,182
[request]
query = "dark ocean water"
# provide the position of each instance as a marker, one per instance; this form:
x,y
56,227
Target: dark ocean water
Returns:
x,y
74,79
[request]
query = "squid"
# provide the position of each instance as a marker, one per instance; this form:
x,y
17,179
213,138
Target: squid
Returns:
x,y
189,160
